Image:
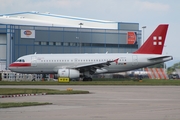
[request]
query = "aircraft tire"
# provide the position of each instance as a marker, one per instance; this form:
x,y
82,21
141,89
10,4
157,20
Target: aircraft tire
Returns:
x,y
87,79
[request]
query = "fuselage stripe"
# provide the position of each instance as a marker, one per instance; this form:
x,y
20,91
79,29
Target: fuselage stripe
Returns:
x,y
20,65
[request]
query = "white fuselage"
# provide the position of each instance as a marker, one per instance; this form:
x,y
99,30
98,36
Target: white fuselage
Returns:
x,y
51,63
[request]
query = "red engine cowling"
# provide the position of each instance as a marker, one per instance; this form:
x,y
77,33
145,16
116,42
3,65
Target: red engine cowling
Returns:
x,y
70,73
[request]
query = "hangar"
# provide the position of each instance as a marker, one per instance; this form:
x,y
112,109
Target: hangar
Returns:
x,y
34,32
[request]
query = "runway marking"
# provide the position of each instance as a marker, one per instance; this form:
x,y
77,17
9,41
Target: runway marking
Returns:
x,y
21,95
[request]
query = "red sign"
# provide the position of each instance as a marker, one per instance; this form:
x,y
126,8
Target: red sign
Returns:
x,y
27,32
131,38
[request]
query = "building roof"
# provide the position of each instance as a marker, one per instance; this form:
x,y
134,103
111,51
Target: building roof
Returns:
x,y
47,19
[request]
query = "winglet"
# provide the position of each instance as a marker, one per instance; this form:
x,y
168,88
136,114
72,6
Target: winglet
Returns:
x,y
116,60
155,43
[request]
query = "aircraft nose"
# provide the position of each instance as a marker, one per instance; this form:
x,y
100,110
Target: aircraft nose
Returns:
x,y
15,65
11,66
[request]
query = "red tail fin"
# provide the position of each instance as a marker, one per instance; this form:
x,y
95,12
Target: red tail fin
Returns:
x,y
155,43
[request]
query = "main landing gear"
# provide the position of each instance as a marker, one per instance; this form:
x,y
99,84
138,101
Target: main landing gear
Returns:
x,y
87,79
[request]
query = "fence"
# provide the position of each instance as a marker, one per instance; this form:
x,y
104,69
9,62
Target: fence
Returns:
x,y
12,76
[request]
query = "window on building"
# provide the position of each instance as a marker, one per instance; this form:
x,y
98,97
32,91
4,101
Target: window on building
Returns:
x,y
86,44
37,43
43,43
58,43
51,43
72,44
111,45
98,44
65,44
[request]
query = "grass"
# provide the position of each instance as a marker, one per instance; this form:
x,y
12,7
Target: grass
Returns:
x,y
98,82
21,104
14,91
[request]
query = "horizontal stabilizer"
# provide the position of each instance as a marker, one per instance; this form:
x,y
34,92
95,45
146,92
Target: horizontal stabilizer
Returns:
x,y
161,57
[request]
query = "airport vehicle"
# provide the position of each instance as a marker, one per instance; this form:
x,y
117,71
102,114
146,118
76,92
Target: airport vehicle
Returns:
x,y
85,65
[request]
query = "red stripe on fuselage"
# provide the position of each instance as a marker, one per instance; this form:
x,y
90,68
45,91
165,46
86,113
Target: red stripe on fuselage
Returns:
x,y
20,65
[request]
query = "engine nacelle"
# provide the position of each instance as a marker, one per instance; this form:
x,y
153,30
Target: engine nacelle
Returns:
x,y
70,73
99,71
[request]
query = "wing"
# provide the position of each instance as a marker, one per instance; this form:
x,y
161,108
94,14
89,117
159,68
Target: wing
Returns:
x,y
94,66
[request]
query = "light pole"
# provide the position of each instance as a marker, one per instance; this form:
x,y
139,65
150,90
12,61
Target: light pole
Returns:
x,y
143,38
164,64
143,35
80,24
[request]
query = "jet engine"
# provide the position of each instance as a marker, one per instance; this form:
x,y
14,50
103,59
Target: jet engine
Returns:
x,y
70,73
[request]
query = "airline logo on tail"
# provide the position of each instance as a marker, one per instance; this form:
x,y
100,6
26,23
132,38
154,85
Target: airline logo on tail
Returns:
x,y
155,43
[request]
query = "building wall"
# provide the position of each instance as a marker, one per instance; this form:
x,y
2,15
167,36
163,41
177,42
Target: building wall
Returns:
x,y
128,26
2,51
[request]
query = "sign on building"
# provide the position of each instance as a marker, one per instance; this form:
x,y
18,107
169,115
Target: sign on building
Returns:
x,y
131,38
27,33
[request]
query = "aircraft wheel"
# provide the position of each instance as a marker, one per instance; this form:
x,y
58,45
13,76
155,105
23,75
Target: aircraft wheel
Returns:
x,y
84,79
87,79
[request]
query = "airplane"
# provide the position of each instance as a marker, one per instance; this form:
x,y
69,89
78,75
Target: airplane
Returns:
x,y
85,65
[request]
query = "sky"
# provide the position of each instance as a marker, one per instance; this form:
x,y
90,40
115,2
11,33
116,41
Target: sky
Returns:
x,y
149,13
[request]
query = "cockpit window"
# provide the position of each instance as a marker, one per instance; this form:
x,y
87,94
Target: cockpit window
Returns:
x,y
20,60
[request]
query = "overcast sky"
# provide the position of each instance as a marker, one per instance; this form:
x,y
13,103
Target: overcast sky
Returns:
x,y
149,13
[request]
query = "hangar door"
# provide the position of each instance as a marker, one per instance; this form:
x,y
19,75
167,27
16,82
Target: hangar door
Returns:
x,y
2,51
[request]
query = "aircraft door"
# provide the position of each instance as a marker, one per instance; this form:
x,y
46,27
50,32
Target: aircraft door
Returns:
x,y
134,60
75,62
33,61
